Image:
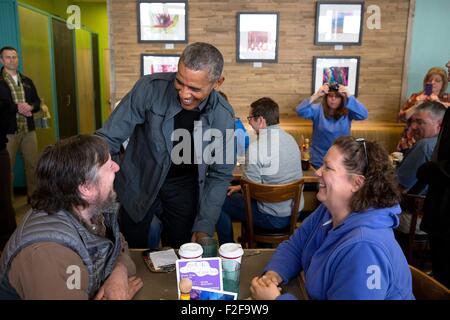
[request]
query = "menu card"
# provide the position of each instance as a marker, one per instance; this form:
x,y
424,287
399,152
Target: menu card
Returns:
x,y
204,272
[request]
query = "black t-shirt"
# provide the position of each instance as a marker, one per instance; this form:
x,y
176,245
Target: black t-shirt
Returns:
x,y
185,120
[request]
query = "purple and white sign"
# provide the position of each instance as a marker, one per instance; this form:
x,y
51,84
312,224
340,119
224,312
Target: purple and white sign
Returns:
x,y
204,273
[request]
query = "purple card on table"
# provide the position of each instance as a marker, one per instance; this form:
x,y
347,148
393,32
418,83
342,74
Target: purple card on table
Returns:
x,y
204,273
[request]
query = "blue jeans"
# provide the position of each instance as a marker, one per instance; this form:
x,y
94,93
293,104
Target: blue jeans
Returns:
x,y
154,233
233,208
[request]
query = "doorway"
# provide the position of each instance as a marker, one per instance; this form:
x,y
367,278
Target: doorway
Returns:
x,y
63,45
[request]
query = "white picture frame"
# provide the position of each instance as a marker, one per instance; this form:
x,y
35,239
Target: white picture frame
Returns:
x,y
257,36
162,21
341,70
339,23
155,63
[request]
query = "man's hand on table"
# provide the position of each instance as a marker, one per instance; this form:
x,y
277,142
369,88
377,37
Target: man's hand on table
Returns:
x,y
198,235
118,286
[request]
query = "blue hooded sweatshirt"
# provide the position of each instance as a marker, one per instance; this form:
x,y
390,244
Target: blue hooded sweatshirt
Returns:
x,y
359,259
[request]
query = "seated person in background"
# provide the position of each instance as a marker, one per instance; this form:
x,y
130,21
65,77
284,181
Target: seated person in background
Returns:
x,y
242,137
436,221
69,246
346,247
426,123
278,166
331,118
437,78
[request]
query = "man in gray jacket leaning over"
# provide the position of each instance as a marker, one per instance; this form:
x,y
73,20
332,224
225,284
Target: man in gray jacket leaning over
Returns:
x,y
176,165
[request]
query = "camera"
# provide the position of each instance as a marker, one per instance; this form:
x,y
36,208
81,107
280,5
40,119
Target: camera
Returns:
x,y
333,86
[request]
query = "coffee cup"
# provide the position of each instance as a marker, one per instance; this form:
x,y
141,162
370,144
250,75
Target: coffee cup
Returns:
x,y
231,251
231,254
190,250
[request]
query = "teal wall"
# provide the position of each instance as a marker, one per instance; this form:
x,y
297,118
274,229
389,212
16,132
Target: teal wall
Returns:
x,y
9,26
9,36
430,46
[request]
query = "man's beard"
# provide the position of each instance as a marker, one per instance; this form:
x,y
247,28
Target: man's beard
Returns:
x,y
97,208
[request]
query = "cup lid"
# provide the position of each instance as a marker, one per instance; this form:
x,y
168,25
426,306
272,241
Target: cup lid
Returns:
x,y
190,250
231,250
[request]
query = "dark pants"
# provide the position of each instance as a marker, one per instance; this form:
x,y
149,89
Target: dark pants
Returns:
x,y
234,208
7,213
176,207
440,259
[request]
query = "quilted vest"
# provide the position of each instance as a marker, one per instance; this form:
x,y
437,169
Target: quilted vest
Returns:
x,y
99,254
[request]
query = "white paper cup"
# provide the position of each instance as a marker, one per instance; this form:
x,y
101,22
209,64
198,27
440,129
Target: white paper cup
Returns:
x,y
190,250
231,251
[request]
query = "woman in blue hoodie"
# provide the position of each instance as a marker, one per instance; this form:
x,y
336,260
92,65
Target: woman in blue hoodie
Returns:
x,y
346,248
332,117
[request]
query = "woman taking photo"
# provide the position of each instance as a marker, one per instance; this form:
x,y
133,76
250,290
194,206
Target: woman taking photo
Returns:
x,y
434,87
332,117
346,247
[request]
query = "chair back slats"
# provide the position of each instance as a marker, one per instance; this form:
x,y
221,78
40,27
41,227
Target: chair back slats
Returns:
x,y
271,194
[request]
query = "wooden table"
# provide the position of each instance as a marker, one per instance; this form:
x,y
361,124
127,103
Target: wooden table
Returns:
x,y
309,175
163,286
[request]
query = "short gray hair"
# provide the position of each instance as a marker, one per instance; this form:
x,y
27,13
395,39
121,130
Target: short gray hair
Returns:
x,y
434,108
203,56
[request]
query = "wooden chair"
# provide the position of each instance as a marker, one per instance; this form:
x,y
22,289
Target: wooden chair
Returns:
x,y
427,288
415,246
252,235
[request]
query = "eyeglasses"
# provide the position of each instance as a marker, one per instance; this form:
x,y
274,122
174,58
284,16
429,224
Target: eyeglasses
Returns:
x,y
250,117
363,142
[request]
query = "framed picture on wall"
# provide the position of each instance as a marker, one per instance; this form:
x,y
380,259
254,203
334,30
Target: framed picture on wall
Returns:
x,y
162,21
155,63
341,70
257,36
339,23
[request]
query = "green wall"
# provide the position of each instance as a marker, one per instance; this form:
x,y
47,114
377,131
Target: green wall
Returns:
x,y
94,17
35,44
55,7
430,46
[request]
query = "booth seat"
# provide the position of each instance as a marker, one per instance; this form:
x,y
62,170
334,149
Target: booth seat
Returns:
x,y
386,133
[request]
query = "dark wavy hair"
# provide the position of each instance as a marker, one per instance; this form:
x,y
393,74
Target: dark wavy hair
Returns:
x,y
339,112
380,189
65,166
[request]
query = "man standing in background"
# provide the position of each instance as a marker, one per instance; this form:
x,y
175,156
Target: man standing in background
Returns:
x,y
18,91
